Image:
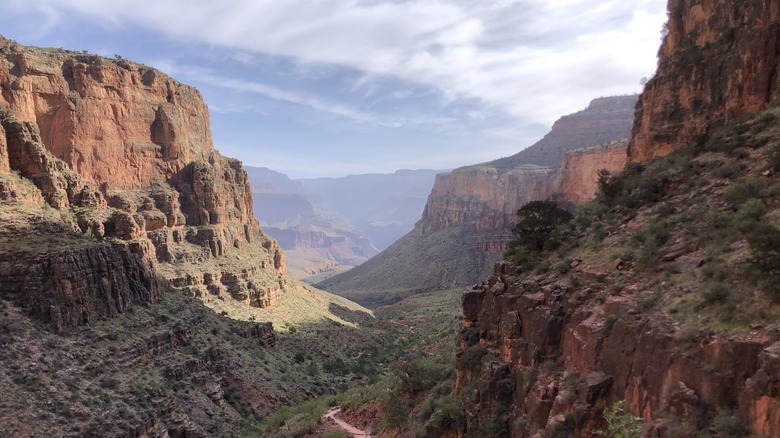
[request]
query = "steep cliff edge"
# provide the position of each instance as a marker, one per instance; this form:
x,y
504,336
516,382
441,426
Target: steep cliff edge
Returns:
x,y
127,153
718,62
469,213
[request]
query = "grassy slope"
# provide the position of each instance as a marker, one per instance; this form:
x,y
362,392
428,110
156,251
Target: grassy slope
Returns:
x,y
681,229
441,260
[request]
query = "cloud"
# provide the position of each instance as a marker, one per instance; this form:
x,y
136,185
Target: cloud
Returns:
x,y
532,59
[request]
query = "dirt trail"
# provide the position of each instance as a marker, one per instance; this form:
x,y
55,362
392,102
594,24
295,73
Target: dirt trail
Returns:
x,y
352,430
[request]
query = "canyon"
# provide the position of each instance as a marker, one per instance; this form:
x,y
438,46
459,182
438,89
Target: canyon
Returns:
x,y
326,225
467,218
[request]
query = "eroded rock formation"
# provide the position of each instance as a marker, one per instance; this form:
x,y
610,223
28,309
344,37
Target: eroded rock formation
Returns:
x,y
718,62
121,153
563,359
577,179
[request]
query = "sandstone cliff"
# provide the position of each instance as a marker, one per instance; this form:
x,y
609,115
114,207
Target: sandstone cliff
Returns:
x,y
718,62
604,120
124,153
577,179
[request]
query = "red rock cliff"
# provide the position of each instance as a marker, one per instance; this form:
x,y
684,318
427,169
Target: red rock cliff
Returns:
x,y
578,175
482,196
488,195
718,62
125,154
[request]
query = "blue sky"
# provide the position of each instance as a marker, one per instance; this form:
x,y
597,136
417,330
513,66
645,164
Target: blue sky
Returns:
x,y
335,87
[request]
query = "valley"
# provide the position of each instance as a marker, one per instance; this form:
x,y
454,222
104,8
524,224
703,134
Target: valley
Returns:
x,y
618,278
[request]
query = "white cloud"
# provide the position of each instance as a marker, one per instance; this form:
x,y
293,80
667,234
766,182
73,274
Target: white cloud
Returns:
x,y
533,59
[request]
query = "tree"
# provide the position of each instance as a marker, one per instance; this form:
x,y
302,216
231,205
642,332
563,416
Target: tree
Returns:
x,y
538,220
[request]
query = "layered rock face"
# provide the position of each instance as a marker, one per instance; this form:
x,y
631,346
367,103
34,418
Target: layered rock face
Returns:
x,y
110,120
597,355
730,53
122,153
488,195
346,248
483,197
578,176
604,120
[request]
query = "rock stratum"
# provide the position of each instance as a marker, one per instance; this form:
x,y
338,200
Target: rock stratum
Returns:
x,y
124,153
730,53
469,213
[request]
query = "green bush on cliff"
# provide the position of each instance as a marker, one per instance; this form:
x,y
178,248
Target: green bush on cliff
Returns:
x,y
620,424
538,224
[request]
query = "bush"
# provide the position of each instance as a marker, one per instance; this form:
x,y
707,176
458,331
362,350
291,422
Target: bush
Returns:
x,y
538,221
739,194
765,256
620,424
727,426
471,359
420,375
773,156
716,293
448,412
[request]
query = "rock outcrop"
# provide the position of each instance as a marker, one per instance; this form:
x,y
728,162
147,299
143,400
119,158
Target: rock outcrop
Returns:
x,y
561,360
483,196
122,153
718,62
577,179
604,120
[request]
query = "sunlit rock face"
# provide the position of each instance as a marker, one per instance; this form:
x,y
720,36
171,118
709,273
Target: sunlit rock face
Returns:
x,y
123,151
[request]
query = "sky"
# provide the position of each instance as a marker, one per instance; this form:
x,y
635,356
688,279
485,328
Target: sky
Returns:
x,y
317,88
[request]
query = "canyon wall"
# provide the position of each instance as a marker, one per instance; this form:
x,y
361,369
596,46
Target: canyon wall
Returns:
x,y
121,153
577,179
718,62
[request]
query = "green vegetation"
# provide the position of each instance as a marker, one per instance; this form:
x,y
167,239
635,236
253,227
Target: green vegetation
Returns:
x,y
416,389
620,424
537,223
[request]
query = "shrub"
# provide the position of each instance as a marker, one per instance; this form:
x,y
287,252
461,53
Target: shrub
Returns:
x,y
727,426
740,193
773,156
716,293
448,412
620,424
765,256
538,221
420,375
471,359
